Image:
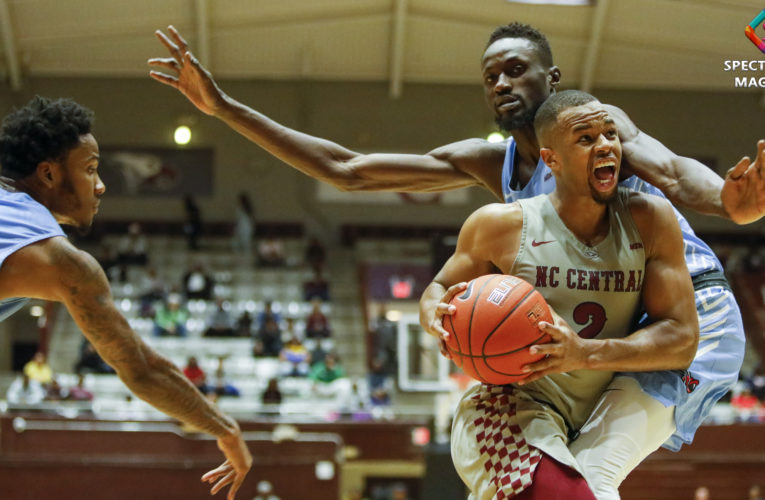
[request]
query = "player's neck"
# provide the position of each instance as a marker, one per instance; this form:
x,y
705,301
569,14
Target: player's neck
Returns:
x,y
583,216
526,144
31,186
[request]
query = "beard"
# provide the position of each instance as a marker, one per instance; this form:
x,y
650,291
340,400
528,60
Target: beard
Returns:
x,y
74,204
508,123
603,198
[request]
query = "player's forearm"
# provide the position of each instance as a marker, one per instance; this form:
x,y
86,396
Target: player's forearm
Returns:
x,y
164,386
697,188
316,157
664,345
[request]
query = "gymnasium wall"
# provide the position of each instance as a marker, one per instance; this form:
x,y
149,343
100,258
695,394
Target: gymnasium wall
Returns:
x,y
361,116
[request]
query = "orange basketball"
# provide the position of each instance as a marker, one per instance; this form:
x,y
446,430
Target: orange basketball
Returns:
x,y
493,327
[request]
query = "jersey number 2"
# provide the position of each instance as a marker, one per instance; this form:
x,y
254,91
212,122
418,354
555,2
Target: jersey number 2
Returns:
x,y
592,313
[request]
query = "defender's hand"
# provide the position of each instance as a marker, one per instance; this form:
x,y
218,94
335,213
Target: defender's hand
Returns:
x,y
192,79
743,192
234,469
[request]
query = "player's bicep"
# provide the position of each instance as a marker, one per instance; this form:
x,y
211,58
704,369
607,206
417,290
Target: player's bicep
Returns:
x,y
404,172
667,287
84,290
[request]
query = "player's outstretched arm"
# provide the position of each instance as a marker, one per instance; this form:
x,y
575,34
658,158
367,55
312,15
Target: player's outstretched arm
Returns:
x,y
690,184
450,167
58,271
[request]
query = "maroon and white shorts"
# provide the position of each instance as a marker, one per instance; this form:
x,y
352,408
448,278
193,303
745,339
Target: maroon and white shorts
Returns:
x,y
498,437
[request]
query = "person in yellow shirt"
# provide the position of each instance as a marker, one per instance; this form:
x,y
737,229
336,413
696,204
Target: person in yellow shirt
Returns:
x,y
38,369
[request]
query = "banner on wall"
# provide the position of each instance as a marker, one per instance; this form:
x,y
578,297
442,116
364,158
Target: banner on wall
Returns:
x,y
146,171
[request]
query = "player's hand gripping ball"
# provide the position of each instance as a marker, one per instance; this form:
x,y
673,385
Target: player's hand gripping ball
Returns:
x,y
494,325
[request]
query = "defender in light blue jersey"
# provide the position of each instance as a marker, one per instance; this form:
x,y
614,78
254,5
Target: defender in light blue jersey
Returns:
x,y
49,161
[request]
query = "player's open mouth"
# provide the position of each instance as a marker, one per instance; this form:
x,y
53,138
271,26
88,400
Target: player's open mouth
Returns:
x,y
605,172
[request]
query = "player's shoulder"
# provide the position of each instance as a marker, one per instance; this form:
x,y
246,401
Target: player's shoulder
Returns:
x,y
497,217
645,205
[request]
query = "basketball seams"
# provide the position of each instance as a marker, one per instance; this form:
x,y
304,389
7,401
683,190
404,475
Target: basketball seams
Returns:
x,y
509,313
472,358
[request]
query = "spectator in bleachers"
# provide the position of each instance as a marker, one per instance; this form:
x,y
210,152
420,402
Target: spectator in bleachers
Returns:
x,y
319,352
271,251
196,375
244,325
315,255
295,358
90,361
290,329
244,225
272,395
328,370
24,390
197,283
746,404
384,361
151,289
268,313
54,391
220,323
316,288
38,369
132,247
221,385
79,392
193,225
316,324
170,318
268,340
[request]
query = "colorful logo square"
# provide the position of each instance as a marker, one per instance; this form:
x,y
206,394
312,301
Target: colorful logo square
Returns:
x,y
750,34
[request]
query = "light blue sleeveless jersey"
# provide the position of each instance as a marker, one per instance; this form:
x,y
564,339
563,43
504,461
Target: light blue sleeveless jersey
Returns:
x,y
721,340
23,221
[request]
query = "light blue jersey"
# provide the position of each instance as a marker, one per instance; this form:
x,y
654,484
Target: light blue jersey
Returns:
x,y
23,221
721,341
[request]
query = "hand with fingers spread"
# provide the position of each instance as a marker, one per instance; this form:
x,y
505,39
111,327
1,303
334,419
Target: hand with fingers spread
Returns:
x,y
234,469
192,79
434,305
743,193
565,353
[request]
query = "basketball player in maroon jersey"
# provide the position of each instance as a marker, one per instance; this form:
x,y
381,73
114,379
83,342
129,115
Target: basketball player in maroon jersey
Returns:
x,y
512,441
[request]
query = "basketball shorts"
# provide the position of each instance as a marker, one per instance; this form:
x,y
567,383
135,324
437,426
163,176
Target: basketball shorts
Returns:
x,y
498,437
711,374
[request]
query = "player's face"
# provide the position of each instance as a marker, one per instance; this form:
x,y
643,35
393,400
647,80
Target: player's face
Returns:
x,y
590,152
515,81
80,189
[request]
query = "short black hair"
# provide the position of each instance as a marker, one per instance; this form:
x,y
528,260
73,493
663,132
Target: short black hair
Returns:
x,y
520,30
42,130
550,109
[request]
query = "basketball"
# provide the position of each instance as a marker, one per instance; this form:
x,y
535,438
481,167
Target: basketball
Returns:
x,y
494,325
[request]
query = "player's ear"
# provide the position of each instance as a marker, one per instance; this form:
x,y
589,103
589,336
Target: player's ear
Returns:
x,y
48,173
553,78
550,158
